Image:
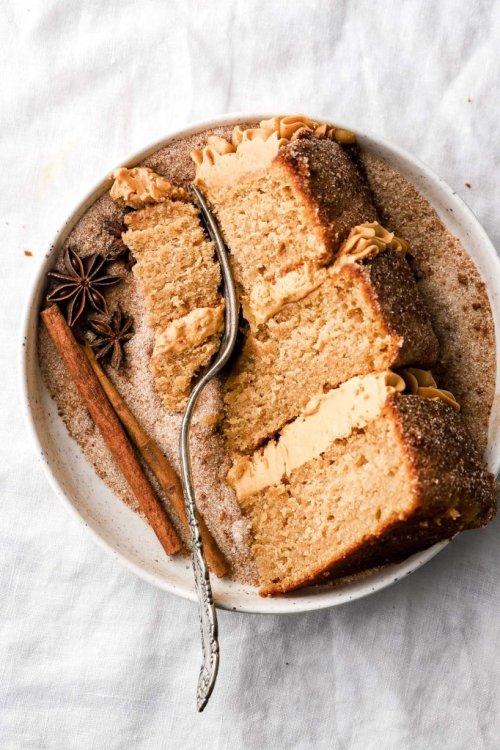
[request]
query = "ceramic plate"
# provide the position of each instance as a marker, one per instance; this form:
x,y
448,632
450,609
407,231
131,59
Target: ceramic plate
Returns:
x,y
122,532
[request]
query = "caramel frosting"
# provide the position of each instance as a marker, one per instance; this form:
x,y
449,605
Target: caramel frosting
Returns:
x,y
367,241
291,126
140,186
421,383
268,296
255,148
219,162
285,126
328,417
190,330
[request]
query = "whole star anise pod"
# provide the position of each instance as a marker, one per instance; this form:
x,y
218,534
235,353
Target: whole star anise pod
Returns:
x,y
79,287
111,334
117,250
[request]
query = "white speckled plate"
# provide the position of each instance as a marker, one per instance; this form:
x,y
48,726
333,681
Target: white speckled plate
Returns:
x,y
123,533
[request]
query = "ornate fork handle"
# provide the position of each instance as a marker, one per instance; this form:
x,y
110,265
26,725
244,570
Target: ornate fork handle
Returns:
x,y
207,611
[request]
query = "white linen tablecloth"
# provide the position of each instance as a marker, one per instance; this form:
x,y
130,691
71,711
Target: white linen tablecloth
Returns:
x,y
92,657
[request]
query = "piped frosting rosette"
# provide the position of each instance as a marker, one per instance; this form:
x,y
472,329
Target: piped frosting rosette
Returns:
x,y
367,241
276,132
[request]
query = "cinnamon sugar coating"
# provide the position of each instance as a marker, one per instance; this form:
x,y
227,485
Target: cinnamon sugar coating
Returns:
x,y
331,185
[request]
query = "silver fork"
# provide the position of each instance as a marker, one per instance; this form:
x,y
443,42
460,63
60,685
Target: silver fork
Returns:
x,y
207,611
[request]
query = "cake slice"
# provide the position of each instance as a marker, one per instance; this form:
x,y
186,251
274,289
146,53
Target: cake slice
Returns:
x,y
366,475
178,274
289,200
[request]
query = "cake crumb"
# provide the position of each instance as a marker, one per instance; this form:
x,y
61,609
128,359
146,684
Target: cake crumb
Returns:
x,y
28,253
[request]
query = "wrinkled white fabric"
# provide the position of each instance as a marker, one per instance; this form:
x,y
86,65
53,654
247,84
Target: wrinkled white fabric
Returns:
x,y
92,657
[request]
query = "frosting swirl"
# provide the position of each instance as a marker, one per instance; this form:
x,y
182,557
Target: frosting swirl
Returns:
x,y
367,241
279,130
421,383
141,186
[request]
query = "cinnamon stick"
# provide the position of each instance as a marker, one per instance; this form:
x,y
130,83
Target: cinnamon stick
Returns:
x,y
110,427
158,463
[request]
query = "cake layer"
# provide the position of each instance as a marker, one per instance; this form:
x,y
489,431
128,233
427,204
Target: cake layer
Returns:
x,y
271,293
175,260
362,318
174,371
185,346
179,277
405,479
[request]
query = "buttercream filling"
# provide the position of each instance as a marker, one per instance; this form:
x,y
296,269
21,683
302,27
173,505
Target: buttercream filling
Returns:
x,y
191,330
328,417
269,296
141,186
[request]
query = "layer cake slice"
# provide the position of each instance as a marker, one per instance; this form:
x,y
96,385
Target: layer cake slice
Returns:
x,y
280,202
336,465
366,475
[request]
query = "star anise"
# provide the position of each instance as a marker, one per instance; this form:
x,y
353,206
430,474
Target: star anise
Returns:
x,y
79,287
111,334
117,250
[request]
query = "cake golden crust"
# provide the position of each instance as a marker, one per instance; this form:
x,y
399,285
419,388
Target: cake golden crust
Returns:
x,y
445,461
